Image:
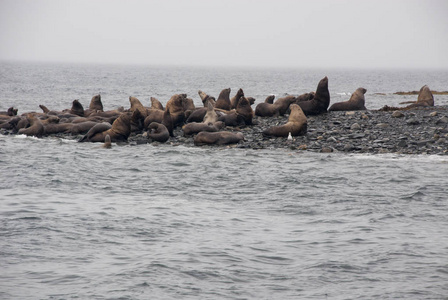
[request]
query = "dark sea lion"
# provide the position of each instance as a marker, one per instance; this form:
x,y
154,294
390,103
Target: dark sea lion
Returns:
x,y
107,142
137,105
244,109
234,100
84,127
137,121
95,105
156,104
55,128
167,121
232,119
10,123
206,98
188,104
36,127
356,102
210,116
197,115
218,138
174,106
319,104
223,101
77,108
269,99
10,112
120,130
194,127
296,125
158,132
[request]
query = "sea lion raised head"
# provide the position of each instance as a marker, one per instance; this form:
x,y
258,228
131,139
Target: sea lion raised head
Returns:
x,y
236,98
77,108
356,102
319,104
107,142
244,109
96,104
296,125
210,116
174,106
223,101
156,104
136,104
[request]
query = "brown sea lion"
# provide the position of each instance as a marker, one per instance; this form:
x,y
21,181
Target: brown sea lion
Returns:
x,y
137,121
218,138
158,132
156,104
95,106
425,98
188,104
11,124
244,109
194,127
174,106
107,142
232,119
10,112
154,115
278,108
296,125
77,108
356,102
120,130
55,128
206,98
210,116
36,127
84,127
137,105
197,115
223,101
234,100
320,102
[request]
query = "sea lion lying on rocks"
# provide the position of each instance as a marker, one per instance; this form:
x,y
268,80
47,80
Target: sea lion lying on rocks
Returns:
x,y
194,127
119,131
218,138
356,102
296,125
158,132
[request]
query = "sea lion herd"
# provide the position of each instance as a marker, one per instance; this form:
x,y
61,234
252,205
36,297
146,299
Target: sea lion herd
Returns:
x,y
207,123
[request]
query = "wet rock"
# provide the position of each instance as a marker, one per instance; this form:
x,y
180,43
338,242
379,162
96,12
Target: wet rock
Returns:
x,y
355,126
382,125
326,150
442,120
397,114
348,147
412,121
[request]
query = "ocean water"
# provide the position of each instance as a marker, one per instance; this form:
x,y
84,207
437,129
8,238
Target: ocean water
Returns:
x,y
173,222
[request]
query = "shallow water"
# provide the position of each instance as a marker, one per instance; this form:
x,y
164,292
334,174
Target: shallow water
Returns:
x,y
175,222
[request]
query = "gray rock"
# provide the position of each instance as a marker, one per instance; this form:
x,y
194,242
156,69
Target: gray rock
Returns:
x,y
382,125
397,114
355,126
412,121
442,120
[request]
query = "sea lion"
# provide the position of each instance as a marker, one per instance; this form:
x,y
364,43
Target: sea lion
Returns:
x,y
55,128
278,108
210,116
174,106
120,130
154,115
219,138
188,104
244,109
232,119
320,102
84,127
137,121
234,100
107,142
77,108
11,124
36,127
158,132
194,127
156,104
137,105
425,98
197,115
356,102
223,101
296,125
206,98
10,112
95,106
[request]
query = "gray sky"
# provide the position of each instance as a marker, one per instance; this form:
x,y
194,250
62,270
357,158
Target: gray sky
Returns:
x,y
260,33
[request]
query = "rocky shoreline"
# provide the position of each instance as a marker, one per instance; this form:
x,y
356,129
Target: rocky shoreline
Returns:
x,y
422,130
417,131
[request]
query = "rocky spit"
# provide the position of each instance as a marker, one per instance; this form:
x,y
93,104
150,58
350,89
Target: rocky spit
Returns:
x,y
416,131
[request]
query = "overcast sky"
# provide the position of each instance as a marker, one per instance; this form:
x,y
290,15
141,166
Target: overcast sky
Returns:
x,y
274,33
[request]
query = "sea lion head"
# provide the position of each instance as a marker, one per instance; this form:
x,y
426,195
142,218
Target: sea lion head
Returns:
x,y
95,103
77,108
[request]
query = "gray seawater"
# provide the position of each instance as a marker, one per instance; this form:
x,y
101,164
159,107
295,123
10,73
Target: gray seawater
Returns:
x,y
171,222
